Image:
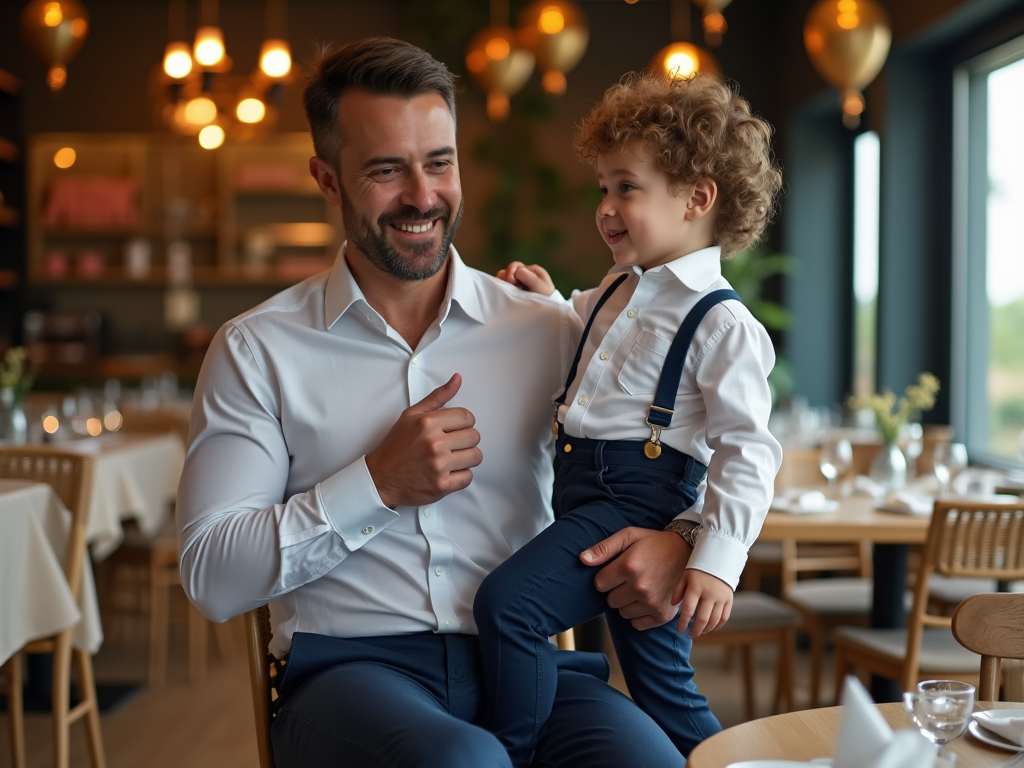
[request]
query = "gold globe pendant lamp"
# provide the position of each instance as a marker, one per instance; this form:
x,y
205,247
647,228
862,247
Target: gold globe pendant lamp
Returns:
x,y
557,33
714,22
500,66
55,32
683,60
847,42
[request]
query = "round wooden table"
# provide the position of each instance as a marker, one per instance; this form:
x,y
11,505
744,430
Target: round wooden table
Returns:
x,y
813,732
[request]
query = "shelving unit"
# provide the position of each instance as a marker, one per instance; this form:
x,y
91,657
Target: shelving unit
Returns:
x,y
250,213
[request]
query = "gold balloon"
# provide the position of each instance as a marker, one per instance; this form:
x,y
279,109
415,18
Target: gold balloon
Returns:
x,y
55,32
499,65
847,42
557,33
681,61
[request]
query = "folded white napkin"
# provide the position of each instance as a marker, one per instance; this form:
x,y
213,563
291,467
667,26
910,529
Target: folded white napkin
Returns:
x,y
1010,728
866,740
802,501
865,486
910,502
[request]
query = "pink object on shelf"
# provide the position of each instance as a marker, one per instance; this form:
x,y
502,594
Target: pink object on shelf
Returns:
x,y
92,201
56,265
90,264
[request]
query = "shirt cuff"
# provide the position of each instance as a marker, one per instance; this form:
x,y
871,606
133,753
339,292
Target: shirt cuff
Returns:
x,y
719,555
353,505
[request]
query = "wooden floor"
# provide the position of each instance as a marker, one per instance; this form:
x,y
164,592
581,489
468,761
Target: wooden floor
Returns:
x,y
210,725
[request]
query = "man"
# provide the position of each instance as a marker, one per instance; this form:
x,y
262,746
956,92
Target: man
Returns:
x,y
367,445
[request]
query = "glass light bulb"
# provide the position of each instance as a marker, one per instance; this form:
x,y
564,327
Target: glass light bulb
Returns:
x,y
275,58
65,157
251,110
200,111
177,60
211,137
209,48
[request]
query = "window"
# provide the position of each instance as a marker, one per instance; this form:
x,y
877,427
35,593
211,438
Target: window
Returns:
x,y
866,192
988,282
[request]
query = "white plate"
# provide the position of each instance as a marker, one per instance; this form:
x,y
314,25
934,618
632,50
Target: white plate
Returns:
x,y
994,739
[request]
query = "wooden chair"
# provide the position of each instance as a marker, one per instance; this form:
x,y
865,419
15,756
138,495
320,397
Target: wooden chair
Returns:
x,y
825,603
992,626
262,672
70,475
969,539
758,618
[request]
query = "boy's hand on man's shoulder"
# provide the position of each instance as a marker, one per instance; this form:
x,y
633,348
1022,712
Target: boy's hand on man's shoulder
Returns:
x,y
706,599
532,278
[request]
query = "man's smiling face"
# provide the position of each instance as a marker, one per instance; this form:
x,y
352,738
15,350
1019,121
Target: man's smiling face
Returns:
x,y
400,190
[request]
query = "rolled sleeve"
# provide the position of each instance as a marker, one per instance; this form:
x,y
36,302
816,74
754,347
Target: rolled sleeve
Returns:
x,y
353,506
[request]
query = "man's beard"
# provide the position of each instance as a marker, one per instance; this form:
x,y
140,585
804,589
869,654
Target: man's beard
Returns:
x,y
373,243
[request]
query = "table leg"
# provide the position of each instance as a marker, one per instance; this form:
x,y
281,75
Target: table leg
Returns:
x,y
887,611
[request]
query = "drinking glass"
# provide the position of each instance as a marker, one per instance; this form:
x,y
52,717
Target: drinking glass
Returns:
x,y
949,460
834,460
941,710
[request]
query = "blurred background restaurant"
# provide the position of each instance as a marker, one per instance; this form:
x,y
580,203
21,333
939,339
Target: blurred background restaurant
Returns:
x,y
153,185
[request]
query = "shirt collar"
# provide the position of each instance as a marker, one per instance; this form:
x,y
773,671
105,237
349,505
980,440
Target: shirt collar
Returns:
x,y
696,270
342,291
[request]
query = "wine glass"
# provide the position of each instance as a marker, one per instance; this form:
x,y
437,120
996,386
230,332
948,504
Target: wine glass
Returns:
x,y
948,461
834,460
941,710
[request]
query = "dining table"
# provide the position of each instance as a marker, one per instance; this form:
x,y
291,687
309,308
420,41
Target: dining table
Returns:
x,y
135,477
36,600
812,733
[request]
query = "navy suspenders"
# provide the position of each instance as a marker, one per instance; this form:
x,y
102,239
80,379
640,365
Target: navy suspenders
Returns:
x,y
659,416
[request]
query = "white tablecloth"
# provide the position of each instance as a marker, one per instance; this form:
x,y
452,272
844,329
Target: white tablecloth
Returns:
x,y
35,601
136,476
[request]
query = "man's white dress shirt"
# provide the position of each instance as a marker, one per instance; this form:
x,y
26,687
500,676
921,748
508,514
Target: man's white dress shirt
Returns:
x,y
276,502
722,404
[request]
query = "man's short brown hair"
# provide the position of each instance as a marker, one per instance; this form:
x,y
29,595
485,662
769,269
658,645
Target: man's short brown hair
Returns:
x,y
696,129
380,65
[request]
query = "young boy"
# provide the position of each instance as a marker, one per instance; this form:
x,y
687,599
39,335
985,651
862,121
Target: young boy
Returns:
x,y
671,389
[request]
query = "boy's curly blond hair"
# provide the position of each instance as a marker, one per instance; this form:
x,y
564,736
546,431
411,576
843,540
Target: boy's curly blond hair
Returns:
x,y
696,129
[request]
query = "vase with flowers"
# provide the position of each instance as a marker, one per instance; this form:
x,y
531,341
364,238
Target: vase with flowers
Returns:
x,y
889,467
15,382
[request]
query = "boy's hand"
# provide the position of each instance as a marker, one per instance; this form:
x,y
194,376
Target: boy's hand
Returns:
x,y
704,597
531,278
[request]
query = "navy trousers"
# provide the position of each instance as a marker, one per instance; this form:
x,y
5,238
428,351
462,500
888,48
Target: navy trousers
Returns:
x,y
601,487
416,701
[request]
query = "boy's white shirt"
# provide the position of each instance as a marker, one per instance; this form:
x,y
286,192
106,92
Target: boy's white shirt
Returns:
x,y
722,404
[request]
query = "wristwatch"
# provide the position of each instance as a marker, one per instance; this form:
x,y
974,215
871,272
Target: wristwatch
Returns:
x,y
688,529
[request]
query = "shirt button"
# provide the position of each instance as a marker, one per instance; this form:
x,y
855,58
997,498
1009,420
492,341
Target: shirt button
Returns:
x,y
582,400
439,570
631,313
368,530
605,355
428,512
415,361
447,622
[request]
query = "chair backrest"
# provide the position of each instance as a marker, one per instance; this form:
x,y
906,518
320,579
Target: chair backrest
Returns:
x,y
993,626
70,476
805,557
799,469
257,637
969,539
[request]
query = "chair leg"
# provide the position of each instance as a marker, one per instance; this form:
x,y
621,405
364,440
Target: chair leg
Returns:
x,y
841,670
198,632
61,698
784,686
158,627
748,680
15,709
728,658
87,689
817,638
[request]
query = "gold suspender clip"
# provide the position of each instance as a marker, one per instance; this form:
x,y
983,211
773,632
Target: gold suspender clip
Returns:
x,y
652,448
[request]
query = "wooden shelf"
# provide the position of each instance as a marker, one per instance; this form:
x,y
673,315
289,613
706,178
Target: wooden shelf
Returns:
x,y
101,233
8,217
202,277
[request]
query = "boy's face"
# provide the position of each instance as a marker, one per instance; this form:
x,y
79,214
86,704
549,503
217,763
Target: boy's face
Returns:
x,y
643,220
